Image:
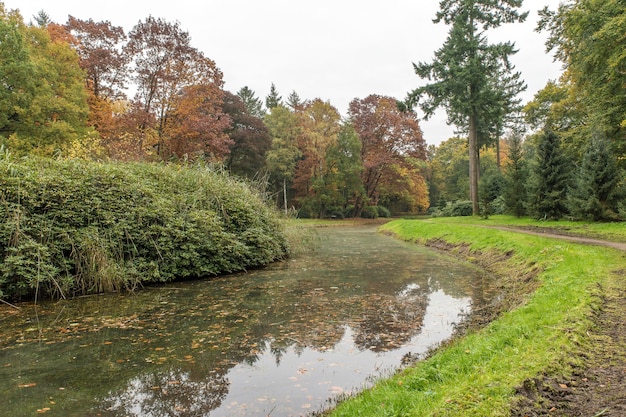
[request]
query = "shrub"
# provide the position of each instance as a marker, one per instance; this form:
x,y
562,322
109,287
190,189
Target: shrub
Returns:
x,y
70,227
369,212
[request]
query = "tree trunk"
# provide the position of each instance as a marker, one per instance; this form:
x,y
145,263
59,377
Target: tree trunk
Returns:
x,y
473,164
285,193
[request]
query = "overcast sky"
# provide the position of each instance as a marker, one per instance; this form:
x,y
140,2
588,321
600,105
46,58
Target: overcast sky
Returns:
x,y
336,50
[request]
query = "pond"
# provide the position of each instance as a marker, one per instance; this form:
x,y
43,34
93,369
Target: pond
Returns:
x,y
281,341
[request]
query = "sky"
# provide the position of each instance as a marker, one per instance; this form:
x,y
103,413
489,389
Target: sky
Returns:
x,y
335,50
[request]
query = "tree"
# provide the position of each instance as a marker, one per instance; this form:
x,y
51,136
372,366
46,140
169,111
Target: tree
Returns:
x,y
46,104
596,192
99,47
342,186
389,137
284,129
196,124
180,87
294,101
588,37
250,138
254,105
449,167
550,176
516,176
319,128
273,99
471,78
17,73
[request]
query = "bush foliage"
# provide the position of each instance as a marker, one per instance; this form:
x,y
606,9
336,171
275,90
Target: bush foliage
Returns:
x,y
76,227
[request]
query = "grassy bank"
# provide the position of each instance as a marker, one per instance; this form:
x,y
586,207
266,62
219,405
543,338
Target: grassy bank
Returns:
x,y
544,331
76,227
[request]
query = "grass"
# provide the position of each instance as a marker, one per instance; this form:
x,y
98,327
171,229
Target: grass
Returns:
x,y
614,231
476,375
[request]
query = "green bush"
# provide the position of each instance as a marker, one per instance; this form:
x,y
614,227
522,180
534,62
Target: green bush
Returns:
x,y
369,212
383,212
75,227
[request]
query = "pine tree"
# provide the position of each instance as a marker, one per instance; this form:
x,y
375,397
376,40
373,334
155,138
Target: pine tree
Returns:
x,y
273,99
254,105
515,176
596,193
550,178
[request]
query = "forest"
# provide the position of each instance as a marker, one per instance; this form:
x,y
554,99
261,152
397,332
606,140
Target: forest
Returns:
x,y
86,89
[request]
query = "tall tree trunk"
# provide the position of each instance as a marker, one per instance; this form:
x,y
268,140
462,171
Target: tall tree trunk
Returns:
x,y
285,193
473,164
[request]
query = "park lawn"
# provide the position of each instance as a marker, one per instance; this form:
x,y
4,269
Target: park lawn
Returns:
x,y
545,333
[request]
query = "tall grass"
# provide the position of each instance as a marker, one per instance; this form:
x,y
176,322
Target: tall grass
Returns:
x,y
76,227
476,375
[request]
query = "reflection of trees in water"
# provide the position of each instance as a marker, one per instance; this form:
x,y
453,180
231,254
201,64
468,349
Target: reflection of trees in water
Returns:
x,y
161,394
231,321
388,322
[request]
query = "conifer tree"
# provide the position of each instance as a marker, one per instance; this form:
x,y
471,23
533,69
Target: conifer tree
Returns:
x,y
595,194
549,179
254,105
273,99
516,175
472,79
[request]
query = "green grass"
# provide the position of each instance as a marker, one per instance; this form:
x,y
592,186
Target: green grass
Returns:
x,y
476,375
615,231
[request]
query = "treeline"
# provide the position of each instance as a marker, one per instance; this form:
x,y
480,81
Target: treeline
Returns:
x,y
562,154
69,95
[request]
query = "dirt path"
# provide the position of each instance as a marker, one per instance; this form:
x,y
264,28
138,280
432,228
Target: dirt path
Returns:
x,y
597,388
551,233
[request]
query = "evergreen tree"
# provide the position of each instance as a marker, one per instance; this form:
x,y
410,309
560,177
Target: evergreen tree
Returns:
x,y
472,79
273,99
596,193
549,180
294,101
516,175
254,105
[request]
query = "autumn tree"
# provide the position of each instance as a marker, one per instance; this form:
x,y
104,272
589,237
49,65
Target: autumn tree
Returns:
x,y
250,138
319,127
180,87
99,47
46,104
469,77
390,138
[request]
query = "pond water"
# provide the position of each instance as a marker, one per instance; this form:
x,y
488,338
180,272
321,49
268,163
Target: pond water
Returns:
x,y
282,341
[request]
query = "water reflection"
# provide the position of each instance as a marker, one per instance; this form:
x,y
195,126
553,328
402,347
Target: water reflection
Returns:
x,y
279,341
